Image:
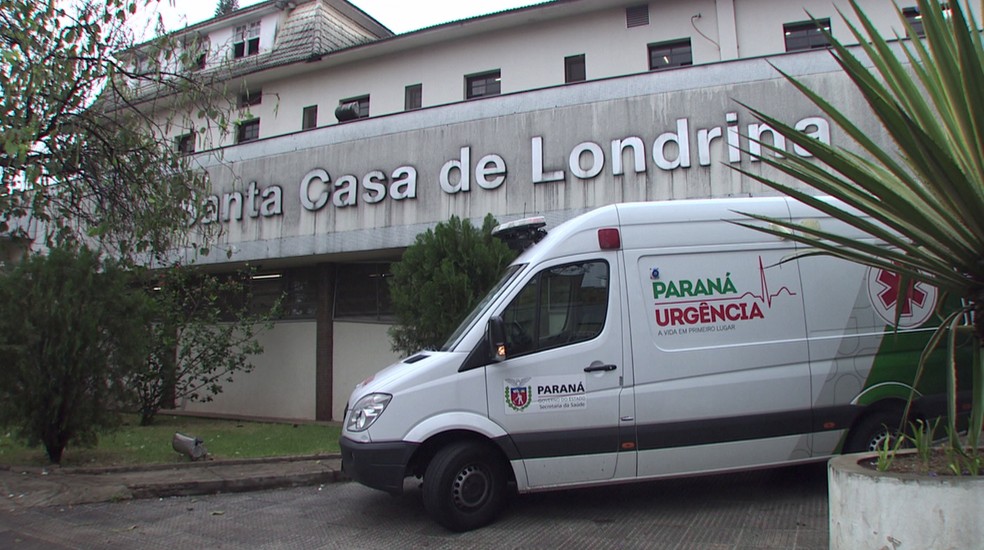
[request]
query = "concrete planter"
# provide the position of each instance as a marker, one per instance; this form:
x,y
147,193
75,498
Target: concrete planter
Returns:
x,y
875,510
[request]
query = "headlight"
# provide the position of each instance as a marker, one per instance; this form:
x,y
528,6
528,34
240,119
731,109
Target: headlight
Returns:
x,y
366,411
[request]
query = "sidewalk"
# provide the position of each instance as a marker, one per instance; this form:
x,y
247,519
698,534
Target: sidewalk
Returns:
x,y
55,486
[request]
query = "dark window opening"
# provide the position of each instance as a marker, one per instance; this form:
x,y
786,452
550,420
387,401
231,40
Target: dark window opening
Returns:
x,y
247,40
914,18
309,117
574,69
483,85
248,131
413,97
294,293
806,35
362,293
665,55
250,98
185,144
352,108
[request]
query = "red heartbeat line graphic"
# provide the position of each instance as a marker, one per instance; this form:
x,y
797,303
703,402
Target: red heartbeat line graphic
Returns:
x,y
765,296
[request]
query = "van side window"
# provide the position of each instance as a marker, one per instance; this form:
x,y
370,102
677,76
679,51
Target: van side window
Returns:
x,y
561,305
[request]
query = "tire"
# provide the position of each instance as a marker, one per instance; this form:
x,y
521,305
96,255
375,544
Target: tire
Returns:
x,y
464,486
871,431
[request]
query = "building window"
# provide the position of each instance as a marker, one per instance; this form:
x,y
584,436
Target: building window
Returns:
x,y
309,117
250,98
483,85
806,35
352,108
665,55
248,131
413,97
185,144
196,51
574,69
246,40
289,294
637,16
914,18
362,292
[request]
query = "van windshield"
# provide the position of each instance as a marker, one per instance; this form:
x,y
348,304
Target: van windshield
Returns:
x,y
466,325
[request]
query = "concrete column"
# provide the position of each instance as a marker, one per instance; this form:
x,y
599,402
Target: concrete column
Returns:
x,y
727,29
324,350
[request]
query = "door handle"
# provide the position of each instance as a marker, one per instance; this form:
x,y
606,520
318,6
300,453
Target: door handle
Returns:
x,y
598,367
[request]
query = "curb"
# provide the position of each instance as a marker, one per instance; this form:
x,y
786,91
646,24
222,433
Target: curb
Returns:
x,y
31,487
259,483
206,463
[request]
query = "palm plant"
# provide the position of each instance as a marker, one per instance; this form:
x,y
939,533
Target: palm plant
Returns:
x,y
923,195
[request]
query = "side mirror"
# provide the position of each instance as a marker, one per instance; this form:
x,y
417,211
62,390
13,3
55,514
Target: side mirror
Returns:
x,y
495,333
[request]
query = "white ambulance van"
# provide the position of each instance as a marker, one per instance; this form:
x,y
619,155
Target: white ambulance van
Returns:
x,y
641,341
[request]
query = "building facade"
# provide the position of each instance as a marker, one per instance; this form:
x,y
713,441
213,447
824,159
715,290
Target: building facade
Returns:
x,y
352,140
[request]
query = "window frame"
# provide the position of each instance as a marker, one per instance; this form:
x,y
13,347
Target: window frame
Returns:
x,y
677,53
491,84
914,17
244,130
246,40
413,97
363,105
309,117
575,69
375,277
250,98
181,143
808,32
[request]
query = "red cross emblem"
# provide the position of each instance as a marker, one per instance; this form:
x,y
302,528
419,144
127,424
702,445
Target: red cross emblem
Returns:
x,y
914,308
890,294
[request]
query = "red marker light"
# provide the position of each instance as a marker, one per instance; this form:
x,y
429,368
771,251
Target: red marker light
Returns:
x,y
609,239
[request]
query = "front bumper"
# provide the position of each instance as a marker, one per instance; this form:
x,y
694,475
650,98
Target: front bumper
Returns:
x,y
381,466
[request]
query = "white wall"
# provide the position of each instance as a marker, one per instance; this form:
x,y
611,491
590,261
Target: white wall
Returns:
x,y
531,55
361,349
282,384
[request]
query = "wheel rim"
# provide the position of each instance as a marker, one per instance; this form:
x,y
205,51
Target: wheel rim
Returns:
x,y
877,441
471,487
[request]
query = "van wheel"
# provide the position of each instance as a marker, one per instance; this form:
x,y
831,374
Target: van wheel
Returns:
x,y
871,432
464,486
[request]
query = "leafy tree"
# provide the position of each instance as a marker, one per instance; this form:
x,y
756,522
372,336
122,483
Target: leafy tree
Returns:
x,y
440,278
924,194
199,339
225,7
71,333
84,151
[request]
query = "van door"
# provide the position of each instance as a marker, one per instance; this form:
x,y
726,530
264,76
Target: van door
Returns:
x,y
722,377
557,393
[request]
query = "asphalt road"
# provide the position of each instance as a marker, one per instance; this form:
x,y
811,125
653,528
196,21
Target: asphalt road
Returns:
x,y
781,508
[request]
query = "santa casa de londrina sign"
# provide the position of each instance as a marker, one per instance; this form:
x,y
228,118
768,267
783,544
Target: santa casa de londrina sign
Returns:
x,y
683,147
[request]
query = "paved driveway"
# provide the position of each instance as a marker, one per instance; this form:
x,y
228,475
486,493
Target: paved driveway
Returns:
x,y
780,508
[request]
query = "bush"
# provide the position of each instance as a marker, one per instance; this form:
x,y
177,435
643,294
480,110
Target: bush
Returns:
x,y
71,333
441,277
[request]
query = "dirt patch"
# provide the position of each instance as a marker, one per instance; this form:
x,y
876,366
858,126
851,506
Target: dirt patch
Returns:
x,y
940,462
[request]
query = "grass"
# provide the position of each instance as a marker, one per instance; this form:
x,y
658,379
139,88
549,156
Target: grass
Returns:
x,y
133,444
